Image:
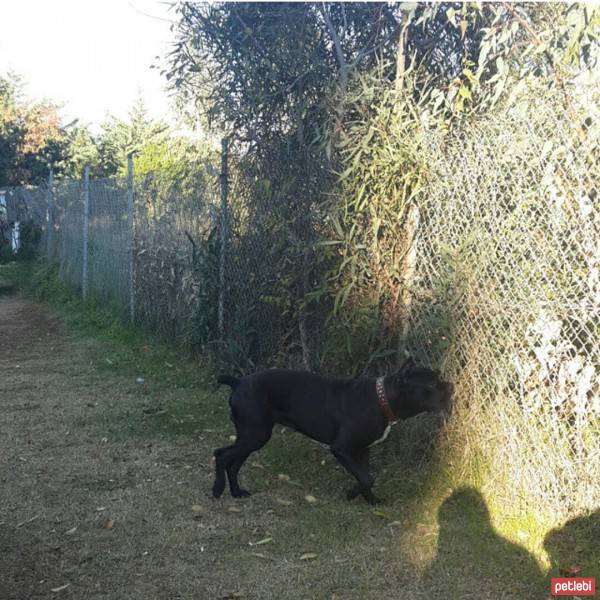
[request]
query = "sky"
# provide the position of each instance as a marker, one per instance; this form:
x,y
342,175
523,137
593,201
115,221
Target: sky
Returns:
x,y
93,57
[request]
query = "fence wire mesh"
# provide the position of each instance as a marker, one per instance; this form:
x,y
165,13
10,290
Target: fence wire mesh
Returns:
x,y
66,241
109,241
506,286
175,229
505,296
27,203
269,245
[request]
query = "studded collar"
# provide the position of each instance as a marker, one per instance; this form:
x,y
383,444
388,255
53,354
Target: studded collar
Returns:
x,y
383,401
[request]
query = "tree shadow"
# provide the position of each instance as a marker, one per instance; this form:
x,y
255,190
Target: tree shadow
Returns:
x,y
474,561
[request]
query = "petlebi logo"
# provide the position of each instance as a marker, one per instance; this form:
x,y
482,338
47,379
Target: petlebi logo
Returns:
x,y
569,586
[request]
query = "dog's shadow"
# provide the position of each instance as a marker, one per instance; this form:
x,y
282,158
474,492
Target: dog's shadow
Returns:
x,y
473,560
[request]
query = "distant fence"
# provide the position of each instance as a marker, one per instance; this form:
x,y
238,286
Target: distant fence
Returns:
x,y
126,240
194,261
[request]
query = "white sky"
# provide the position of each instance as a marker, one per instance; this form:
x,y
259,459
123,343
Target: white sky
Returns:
x,y
91,56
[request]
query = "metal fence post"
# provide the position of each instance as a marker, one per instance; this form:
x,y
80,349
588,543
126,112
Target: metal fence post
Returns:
x,y
86,211
224,183
49,213
408,270
131,229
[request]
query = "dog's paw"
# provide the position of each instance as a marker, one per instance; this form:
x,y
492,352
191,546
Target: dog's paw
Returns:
x,y
352,493
374,500
241,494
217,490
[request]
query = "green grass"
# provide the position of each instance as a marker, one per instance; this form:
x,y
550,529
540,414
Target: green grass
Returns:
x,y
184,398
13,275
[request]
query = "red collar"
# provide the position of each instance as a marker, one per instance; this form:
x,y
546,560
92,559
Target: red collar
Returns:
x,y
383,401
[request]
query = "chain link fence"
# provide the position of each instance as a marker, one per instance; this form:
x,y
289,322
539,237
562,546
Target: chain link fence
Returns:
x,y
23,211
505,295
506,284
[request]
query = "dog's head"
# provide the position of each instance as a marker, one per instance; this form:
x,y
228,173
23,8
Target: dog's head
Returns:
x,y
419,389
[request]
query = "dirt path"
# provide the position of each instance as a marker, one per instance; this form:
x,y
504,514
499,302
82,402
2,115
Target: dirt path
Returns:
x,y
106,519
97,502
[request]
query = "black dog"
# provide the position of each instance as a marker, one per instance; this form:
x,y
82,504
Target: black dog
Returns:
x,y
349,415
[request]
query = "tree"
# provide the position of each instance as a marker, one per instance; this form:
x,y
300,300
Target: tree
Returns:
x,y
119,138
82,150
31,136
10,128
265,71
325,103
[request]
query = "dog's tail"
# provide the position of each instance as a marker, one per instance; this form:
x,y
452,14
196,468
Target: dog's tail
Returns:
x,y
229,380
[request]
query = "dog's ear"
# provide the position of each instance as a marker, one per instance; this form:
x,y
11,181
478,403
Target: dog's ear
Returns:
x,y
423,377
406,366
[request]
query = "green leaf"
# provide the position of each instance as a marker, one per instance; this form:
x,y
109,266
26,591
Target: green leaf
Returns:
x,y
450,14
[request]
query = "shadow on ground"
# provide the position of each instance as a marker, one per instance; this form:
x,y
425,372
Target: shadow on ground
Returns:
x,y
575,547
472,558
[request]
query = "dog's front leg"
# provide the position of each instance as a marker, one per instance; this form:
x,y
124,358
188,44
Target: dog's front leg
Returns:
x,y
362,459
357,464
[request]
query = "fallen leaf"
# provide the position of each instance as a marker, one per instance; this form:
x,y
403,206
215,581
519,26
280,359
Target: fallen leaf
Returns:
x,y
284,502
28,521
156,412
261,542
308,556
570,571
60,588
283,477
310,499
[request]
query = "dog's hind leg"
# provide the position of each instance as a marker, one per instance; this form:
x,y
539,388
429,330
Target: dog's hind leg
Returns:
x,y
353,461
220,463
244,446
